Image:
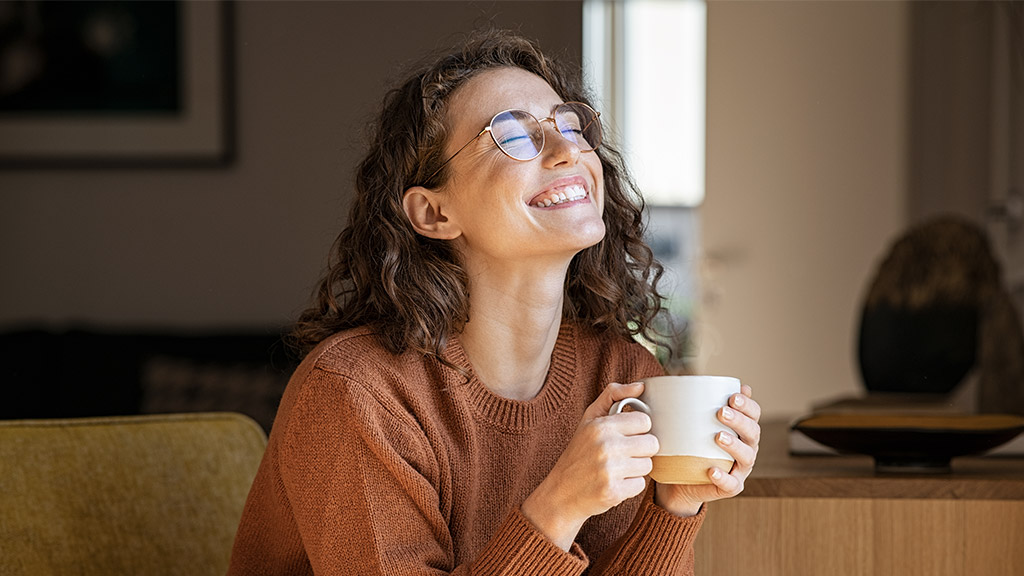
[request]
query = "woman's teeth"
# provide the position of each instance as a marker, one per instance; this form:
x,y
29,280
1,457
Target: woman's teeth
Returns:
x,y
565,195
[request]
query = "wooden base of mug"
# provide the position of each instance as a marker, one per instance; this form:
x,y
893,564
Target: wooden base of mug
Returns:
x,y
686,469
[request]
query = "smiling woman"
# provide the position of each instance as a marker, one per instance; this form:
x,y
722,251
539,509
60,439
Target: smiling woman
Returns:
x,y
466,345
421,299
512,215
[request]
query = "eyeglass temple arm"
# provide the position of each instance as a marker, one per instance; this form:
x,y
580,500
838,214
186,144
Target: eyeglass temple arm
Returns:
x,y
450,158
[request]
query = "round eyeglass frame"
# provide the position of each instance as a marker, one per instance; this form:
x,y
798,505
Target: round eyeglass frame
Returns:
x,y
540,122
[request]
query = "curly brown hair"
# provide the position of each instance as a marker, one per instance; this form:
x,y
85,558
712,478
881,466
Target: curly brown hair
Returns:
x,y
411,289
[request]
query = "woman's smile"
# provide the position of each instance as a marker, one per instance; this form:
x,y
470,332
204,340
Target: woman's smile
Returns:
x,y
563,193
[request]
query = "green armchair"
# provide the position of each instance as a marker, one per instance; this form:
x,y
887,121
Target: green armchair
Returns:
x,y
158,494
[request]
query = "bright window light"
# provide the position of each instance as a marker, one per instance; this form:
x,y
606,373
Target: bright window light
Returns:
x,y
646,61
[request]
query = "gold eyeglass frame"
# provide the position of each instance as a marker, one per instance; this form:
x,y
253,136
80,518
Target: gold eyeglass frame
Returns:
x,y
543,136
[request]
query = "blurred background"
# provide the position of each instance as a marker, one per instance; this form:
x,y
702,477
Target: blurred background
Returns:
x,y
154,249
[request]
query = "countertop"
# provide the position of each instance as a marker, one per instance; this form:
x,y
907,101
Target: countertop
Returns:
x,y
779,474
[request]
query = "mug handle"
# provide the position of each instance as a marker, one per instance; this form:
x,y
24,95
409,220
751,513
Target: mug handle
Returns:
x,y
634,402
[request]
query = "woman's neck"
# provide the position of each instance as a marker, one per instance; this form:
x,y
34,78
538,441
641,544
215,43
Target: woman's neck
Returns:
x,y
513,327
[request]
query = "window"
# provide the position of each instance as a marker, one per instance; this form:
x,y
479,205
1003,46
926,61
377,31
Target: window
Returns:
x,y
645,60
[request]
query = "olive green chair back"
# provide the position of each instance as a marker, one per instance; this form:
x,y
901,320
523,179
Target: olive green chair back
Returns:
x,y
158,494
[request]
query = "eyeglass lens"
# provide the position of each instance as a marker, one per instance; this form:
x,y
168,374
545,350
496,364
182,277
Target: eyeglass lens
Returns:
x,y
520,135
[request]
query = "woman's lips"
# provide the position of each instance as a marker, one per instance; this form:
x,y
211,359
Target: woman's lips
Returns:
x,y
558,196
562,191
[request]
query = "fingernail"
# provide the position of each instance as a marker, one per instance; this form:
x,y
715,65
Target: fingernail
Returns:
x,y
727,413
724,438
738,400
716,473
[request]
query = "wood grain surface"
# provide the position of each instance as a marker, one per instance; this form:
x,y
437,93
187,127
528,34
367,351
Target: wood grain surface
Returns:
x,y
832,515
852,536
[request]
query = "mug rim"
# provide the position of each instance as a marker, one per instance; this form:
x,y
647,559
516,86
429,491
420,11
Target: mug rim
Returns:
x,y
721,379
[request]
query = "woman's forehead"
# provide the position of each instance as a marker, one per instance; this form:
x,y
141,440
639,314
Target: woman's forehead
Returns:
x,y
493,91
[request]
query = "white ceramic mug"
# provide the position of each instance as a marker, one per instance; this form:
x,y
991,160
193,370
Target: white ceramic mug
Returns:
x,y
684,419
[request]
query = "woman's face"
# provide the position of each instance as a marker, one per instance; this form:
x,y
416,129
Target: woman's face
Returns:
x,y
503,207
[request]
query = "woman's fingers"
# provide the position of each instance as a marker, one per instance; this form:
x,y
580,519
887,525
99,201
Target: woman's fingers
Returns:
x,y
633,486
628,423
742,416
729,485
611,394
746,427
641,445
744,403
637,468
625,435
741,452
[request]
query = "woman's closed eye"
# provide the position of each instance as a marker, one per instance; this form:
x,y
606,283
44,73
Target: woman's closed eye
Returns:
x,y
514,140
572,133
519,144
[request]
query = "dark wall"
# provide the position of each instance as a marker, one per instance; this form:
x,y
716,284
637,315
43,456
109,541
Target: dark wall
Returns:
x,y
140,289
239,246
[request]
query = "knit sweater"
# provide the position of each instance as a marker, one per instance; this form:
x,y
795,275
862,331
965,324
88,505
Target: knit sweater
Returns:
x,y
399,465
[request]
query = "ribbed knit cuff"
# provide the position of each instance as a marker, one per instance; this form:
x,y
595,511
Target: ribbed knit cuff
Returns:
x,y
658,542
518,548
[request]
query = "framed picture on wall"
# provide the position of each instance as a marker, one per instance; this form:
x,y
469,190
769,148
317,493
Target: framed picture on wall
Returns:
x,y
103,83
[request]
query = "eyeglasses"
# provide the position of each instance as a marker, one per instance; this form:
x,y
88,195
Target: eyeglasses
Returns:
x,y
520,135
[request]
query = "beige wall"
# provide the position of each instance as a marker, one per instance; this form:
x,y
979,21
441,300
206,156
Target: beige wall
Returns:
x,y
239,246
951,104
806,185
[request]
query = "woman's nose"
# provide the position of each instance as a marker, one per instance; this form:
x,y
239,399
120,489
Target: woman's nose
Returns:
x,y
558,149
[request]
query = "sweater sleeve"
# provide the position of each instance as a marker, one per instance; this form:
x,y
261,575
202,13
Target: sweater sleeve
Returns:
x,y
362,482
658,542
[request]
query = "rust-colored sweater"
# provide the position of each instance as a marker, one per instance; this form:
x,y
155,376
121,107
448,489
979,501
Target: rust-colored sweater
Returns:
x,y
383,464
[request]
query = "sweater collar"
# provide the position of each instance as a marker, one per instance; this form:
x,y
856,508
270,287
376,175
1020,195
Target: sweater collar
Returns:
x,y
517,415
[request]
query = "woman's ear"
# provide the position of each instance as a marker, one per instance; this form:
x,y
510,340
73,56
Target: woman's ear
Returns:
x,y
423,208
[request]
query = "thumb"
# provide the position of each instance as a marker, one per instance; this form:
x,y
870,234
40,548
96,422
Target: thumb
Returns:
x,y
611,394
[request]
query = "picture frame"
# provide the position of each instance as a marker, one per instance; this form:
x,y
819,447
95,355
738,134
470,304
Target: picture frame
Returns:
x,y
198,132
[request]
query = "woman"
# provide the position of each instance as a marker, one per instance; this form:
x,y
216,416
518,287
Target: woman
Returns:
x,y
469,339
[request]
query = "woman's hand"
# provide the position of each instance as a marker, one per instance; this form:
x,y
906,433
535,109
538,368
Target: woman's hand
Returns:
x,y
604,464
742,416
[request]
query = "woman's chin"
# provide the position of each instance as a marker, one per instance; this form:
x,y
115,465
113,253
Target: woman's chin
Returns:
x,y
590,234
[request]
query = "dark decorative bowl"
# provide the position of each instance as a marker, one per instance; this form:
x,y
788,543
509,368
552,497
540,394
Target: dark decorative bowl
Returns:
x,y
912,442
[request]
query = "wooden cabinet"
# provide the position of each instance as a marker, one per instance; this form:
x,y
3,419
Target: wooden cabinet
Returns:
x,y
833,515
